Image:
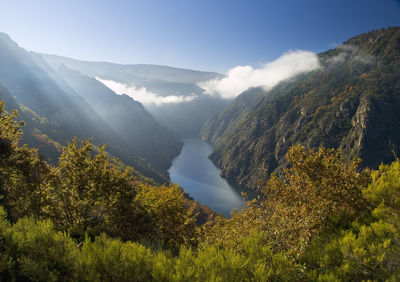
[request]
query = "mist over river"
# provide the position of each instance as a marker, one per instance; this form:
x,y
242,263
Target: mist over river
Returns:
x,y
199,177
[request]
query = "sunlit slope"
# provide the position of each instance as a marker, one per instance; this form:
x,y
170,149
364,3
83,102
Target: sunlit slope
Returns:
x,y
55,112
172,95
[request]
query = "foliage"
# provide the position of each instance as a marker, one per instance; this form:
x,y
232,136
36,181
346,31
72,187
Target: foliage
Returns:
x,y
370,253
87,187
372,250
108,259
90,192
172,223
22,172
90,219
319,192
36,251
33,250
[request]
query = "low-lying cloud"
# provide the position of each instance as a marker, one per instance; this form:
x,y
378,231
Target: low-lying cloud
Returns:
x,y
143,95
241,78
350,51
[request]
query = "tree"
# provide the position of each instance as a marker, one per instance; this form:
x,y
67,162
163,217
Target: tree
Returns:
x,y
88,187
370,250
172,223
23,173
318,192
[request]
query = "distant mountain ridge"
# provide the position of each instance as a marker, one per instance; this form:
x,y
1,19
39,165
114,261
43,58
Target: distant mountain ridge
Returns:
x,y
184,119
131,73
352,102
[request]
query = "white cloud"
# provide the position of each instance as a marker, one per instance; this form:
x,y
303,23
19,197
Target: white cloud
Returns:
x,y
143,95
241,78
365,59
353,52
338,59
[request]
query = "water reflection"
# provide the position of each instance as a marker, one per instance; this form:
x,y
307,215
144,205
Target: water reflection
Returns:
x,y
199,177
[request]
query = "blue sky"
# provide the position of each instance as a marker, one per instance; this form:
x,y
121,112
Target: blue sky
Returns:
x,y
210,35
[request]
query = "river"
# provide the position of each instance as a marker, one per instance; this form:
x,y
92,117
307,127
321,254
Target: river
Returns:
x,y
200,178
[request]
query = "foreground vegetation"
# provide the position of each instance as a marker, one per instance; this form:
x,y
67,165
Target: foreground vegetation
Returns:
x,y
89,218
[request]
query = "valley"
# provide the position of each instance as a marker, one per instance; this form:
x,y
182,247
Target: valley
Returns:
x,y
199,177
281,171
336,105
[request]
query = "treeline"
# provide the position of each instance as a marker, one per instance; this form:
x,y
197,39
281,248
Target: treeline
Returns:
x,y
90,218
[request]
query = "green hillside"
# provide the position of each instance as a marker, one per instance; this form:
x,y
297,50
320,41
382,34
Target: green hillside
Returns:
x,y
351,102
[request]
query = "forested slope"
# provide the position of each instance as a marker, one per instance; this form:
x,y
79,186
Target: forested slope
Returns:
x,y
351,103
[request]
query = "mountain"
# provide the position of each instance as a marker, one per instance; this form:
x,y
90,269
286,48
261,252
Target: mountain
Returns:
x,y
140,73
178,104
32,87
135,127
55,112
351,102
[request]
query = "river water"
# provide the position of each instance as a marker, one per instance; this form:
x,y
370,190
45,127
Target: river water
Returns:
x,y
200,178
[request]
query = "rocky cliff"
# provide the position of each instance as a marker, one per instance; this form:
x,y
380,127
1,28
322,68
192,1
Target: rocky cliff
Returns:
x,y
351,102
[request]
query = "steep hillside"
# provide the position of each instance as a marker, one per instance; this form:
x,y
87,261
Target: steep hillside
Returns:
x,y
33,87
352,102
55,112
132,124
33,126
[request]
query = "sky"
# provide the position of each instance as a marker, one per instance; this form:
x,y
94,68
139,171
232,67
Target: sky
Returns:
x,y
210,35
